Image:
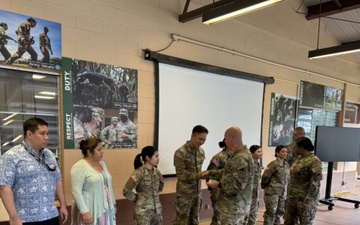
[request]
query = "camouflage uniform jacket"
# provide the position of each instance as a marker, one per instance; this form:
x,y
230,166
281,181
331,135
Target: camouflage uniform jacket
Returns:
x,y
23,33
188,162
3,37
237,183
128,128
110,134
217,162
44,41
291,157
275,178
305,177
257,177
148,184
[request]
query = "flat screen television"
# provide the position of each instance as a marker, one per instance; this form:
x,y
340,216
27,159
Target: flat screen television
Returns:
x,y
337,144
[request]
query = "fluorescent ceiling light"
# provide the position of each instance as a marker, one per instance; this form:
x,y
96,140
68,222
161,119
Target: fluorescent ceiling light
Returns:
x,y
333,51
15,139
233,9
43,97
11,116
6,143
38,76
47,93
10,121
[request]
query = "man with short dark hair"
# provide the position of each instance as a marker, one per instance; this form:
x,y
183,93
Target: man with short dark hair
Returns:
x,y
188,160
30,179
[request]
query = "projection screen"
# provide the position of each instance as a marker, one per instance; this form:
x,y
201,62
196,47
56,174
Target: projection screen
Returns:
x,y
188,97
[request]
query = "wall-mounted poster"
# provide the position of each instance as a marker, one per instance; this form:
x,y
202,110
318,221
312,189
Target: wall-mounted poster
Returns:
x,y
352,113
282,119
333,98
27,41
100,101
311,95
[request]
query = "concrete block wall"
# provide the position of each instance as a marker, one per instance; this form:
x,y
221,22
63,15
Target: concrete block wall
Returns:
x,y
275,42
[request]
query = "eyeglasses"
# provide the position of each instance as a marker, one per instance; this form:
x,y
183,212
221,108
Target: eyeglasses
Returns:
x,y
42,161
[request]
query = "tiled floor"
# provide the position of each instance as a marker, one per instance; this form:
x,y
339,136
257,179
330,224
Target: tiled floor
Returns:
x,y
343,213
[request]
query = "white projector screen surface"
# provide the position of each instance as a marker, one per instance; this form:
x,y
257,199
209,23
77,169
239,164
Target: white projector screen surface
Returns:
x,y
190,97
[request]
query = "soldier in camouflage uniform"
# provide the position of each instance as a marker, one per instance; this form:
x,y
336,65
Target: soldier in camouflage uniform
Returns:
x,y
127,127
188,160
3,41
256,153
148,182
45,45
304,187
275,182
217,162
237,180
25,41
292,157
110,134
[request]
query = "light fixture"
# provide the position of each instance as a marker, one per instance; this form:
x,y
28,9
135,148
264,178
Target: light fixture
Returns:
x,y
10,121
11,116
47,93
43,97
17,138
233,9
336,50
38,76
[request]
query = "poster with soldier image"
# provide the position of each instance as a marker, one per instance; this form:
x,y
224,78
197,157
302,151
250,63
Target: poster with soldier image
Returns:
x,y
282,119
27,41
104,104
333,98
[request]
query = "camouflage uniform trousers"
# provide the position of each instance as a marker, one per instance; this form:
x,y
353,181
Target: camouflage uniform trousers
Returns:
x,y
231,219
4,51
20,51
187,209
252,217
295,212
275,209
215,220
149,218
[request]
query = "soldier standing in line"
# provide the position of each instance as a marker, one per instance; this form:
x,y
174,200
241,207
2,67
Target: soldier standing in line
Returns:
x,y
188,160
304,187
25,40
237,180
110,134
217,162
45,45
127,127
3,41
275,182
292,157
147,182
256,153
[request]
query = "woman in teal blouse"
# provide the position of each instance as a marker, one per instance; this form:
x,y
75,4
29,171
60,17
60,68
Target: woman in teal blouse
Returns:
x,y
148,182
91,185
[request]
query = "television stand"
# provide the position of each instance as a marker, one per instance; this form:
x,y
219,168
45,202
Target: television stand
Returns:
x,y
328,200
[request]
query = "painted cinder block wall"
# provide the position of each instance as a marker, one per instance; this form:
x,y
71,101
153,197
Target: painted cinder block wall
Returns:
x,y
116,31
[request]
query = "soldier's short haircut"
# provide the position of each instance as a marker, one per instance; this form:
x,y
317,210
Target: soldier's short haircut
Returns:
x,y
305,143
199,129
32,125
